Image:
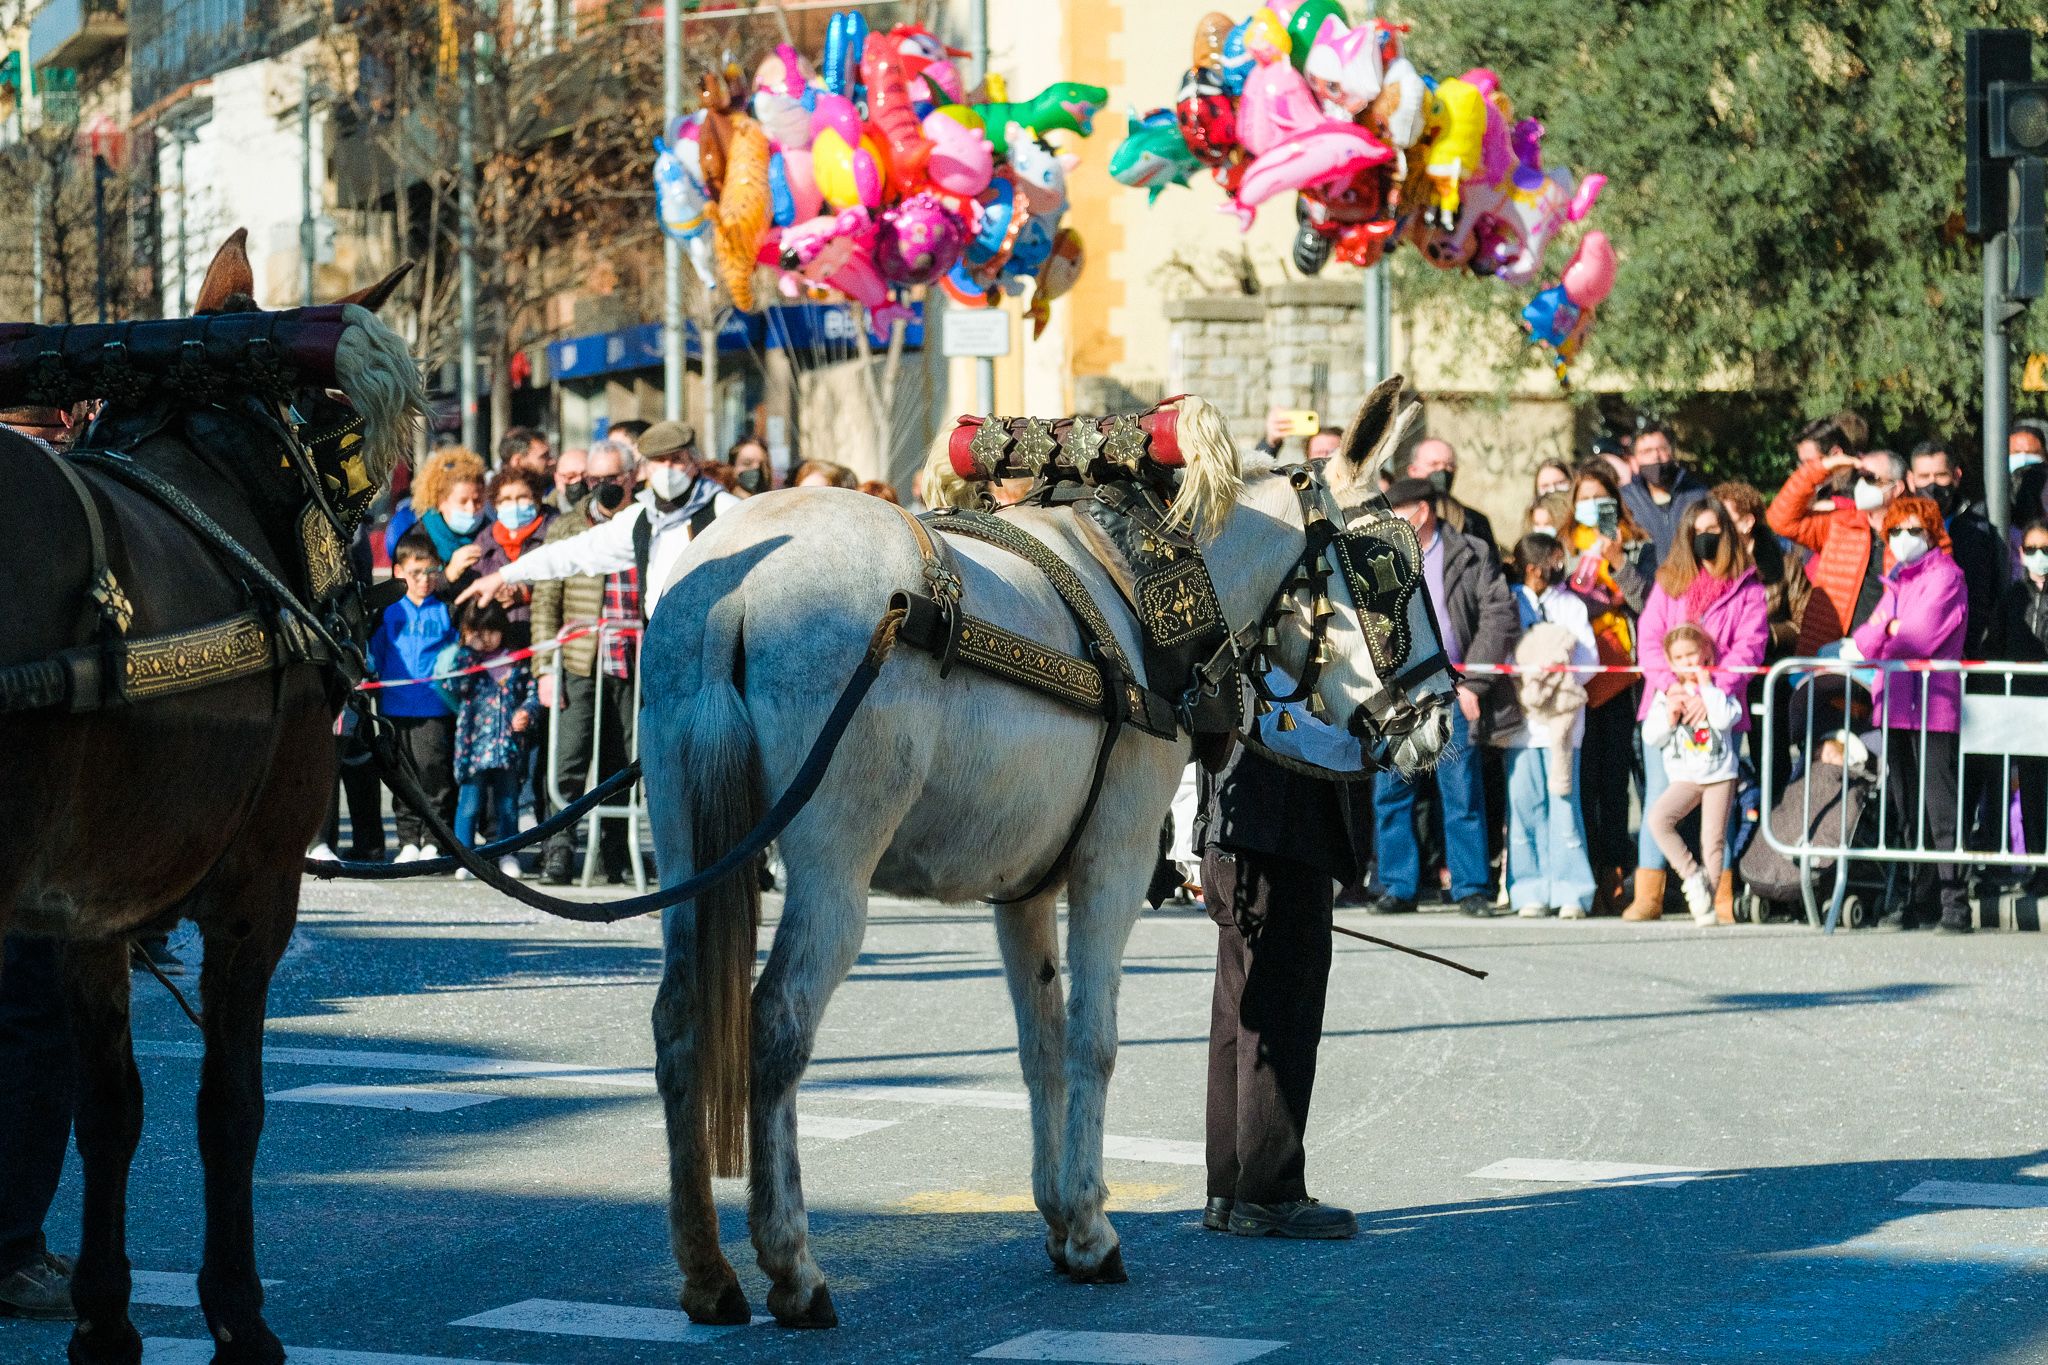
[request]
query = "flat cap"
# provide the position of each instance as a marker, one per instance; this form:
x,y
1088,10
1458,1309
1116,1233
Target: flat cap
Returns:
x,y
665,439
1407,492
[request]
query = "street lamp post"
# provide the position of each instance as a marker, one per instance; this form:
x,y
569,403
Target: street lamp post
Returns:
x,y
984,366
101,174
672,250
465,158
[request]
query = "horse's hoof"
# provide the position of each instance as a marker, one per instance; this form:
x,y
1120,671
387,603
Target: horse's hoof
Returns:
x,y
253,1345
104,1346
1111,1271
817,1313
731,1308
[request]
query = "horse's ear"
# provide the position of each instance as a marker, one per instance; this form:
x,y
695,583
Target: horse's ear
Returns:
x,y
375,296
228,276
1375,415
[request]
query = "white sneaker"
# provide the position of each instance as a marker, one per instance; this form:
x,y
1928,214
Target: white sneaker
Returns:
x,y
429,851
1534,912
1571,912
463,874
322,853
1699,898
409,854
509,865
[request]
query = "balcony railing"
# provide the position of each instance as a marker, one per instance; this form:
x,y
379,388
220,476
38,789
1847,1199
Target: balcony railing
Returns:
x,y
71,33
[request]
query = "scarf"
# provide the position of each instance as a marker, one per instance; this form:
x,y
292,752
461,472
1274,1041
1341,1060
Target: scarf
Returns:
x,y
446,542
1702,593
513,543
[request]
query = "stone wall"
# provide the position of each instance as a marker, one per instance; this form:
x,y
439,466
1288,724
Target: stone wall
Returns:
x,y
1301,345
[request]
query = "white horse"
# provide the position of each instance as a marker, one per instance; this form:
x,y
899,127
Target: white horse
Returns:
x,y
954,788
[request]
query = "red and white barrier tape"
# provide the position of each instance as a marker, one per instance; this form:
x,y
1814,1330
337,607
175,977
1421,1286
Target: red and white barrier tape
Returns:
x,y
513,656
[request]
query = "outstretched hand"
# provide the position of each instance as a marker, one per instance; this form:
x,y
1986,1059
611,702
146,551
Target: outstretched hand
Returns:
x,y
480,589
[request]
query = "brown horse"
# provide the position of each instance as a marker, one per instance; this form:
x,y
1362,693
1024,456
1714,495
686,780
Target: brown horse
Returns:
x,y
191,806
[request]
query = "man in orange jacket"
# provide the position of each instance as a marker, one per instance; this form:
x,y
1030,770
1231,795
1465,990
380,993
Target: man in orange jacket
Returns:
x,y
1850,556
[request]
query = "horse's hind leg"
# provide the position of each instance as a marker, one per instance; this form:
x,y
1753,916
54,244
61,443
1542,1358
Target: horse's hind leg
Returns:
x,y
108,1123
245,937
815,947
1029,935
1104,901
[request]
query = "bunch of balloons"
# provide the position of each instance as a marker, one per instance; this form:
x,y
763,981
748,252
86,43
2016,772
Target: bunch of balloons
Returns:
x,y
1298,98
874,171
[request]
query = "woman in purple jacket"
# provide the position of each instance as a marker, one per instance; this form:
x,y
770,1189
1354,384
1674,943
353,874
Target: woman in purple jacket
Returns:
x,y
1707,579
1922,615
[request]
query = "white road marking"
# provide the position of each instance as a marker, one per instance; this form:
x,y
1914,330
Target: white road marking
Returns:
x,y
1562,1360
954,1096
1587,1172
419,1099
1171,1151
169,1288
834,1127
1972,1194
364,1060
558,1317
1129,1348
186,1351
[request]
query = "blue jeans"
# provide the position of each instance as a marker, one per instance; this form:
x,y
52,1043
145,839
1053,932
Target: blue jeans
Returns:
x,y
1648,855
500,787
1464,810
1546,835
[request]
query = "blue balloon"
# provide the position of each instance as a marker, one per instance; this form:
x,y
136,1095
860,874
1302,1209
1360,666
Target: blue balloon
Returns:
x,y
1237,63
1550,316
1034,244
995,224
845,36
778,191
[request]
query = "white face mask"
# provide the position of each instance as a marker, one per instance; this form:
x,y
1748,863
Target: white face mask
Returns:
x,y
1587,511
2036,562
1869,497
1547,532
2022,459
668,480
1908,546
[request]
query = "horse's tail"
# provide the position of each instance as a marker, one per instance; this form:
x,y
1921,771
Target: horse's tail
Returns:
x,y
716,763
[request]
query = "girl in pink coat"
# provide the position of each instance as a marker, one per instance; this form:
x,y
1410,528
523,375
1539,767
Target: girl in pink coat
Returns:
x,y
1921,615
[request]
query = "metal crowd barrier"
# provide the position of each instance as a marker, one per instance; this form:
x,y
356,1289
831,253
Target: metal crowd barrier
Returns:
x,y
1997,722
632,806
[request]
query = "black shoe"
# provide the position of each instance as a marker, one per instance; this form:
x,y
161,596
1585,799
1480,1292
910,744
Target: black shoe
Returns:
x,y
158,951
554,865
1216,1217
39,1290
1478,906
1303,1219
1392,905
1900,921
1955,926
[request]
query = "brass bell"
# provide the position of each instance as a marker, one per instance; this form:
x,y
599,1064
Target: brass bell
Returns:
x,y
1316,707
1262,707
1286,721
1270,638
1323,565
1324,654
1323,607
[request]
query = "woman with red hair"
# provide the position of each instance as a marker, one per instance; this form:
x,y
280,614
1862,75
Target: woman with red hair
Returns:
x,y
1921,615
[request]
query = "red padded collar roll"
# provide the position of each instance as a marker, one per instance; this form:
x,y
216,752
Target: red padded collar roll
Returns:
x,y
1085,447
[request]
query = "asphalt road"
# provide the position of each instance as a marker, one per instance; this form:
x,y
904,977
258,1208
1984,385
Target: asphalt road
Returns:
x,y
1851,1133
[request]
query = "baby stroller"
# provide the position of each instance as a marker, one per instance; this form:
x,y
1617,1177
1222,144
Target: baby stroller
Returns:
x,y
1832,798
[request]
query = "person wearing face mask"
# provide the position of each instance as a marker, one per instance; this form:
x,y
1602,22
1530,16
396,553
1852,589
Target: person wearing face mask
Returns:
x,y
1921,615
1662,491
519,523
2026,447
1435,461
570,486
751,471
437,476
1845,537
1709,581
1937,475
1553,476
2019,633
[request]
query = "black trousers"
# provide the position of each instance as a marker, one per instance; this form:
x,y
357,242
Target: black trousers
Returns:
x,y
36,1075
577,718
1265,1020
430,742
1607,764
358,781
1907,760
2031,775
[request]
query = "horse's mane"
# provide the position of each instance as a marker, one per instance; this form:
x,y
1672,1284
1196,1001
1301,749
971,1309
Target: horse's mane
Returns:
x,y
375,368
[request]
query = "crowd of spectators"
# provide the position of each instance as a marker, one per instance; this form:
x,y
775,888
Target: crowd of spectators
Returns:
x,y
1606,735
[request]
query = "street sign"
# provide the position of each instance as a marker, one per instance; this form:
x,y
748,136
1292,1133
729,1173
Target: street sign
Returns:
x,y
976,332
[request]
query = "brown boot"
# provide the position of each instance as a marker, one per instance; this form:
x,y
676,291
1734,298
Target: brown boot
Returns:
x,y
1649,901
1724,898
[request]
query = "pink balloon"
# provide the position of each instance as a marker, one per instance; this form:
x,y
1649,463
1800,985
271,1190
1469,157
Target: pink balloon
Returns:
x,y
1332,153
962,162
1276,104
837,113
802,181
1589,279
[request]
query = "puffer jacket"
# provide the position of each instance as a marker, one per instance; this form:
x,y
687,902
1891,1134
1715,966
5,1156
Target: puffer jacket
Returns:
x,y
569,601
1930,603
1738,622
1840,542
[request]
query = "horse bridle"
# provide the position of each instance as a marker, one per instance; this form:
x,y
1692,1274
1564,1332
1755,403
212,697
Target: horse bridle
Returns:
x,y
1380,561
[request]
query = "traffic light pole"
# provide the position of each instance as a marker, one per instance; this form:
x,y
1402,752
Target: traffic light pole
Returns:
x,y
1997,381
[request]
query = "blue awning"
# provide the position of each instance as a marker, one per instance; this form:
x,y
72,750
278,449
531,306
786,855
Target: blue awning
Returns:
x,y
818,330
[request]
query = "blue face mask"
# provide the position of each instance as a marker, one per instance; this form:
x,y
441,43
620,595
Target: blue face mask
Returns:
x,y
516,515
463,523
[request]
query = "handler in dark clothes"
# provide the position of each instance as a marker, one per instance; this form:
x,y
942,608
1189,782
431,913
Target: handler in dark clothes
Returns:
x,y
1273,843
36,1069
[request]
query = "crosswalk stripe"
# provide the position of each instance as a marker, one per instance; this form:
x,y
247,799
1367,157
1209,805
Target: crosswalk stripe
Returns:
x,y
1972,1194
1129,1348
954,1096
1170,1151
558,1317
1588,1172
188,1351
169,1288
417,1099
